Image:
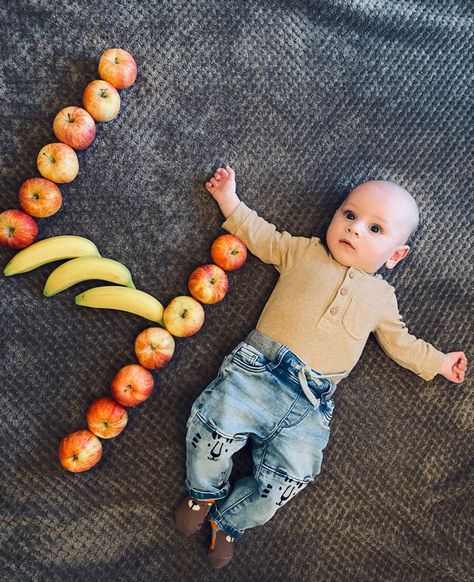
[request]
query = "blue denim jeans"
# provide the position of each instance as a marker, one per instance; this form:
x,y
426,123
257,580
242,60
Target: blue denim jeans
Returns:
x,y
258,395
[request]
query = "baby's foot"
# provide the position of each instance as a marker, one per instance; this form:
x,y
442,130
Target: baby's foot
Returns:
x,y
222,184
190,514
222,547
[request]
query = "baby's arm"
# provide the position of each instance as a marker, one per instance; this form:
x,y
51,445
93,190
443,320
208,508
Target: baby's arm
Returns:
x,y
280,249
416,354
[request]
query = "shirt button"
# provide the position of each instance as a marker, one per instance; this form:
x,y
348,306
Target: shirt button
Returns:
x,y
333,310
343,291
351,275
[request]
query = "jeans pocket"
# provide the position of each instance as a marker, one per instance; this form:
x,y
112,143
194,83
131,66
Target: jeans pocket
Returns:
x,y
201,399
327,408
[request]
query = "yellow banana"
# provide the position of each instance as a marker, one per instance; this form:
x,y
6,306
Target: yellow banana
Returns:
x,y
50,249
83,268
123,299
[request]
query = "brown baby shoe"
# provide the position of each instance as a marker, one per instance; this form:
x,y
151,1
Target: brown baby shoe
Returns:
x,y
190,515
222,547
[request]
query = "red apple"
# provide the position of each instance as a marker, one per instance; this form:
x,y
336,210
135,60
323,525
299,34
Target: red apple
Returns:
x,y
154,347
184,316
118,67
102,101
229,252
40,197
17,229
208,284
58,162
106,418
74,127
79,451
131,385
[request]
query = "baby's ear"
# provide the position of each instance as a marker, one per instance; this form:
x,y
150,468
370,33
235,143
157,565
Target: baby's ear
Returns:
x,y
398,255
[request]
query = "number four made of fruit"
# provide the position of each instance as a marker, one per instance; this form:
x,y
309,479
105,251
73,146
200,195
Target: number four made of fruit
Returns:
x,y
75,128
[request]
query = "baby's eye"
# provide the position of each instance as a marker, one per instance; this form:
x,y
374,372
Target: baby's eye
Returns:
x,y
349,214
375,228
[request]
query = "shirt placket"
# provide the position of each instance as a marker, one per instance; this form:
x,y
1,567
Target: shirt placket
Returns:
x,y
338,305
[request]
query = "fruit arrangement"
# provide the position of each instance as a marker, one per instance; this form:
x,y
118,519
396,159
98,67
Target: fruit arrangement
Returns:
x,y
184,316
75,129
154,346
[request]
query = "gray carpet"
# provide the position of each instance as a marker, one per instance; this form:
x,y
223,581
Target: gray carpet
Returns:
x,y
305,99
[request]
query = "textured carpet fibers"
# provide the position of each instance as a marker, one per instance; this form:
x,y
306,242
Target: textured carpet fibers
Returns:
x,y
305,100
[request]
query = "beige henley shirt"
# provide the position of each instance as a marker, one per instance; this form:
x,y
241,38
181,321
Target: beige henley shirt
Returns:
x,y
324,311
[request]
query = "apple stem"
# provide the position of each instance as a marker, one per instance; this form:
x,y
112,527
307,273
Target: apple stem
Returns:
x,y
103,93
185,312
70,118
75,457
234,252
50,158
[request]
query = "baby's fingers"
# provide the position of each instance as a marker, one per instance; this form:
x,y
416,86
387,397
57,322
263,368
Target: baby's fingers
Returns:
x,y
221,172
459,368
461,364
458,374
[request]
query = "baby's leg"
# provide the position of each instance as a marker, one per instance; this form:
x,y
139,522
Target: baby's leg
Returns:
x,y
208,466
282,468
211,441
208,460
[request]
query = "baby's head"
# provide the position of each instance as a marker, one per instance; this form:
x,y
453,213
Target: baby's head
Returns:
x,y
371,227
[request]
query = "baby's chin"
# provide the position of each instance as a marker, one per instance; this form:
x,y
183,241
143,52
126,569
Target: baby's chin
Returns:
x,y
340,257
346,261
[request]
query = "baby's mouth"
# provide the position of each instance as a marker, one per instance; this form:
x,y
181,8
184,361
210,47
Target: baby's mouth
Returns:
x,y
347,243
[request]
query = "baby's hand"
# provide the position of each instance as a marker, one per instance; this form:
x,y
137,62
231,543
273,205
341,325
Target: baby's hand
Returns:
x,y
222,188
454,367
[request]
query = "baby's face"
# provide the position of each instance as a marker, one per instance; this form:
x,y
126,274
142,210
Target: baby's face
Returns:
x,y
370,227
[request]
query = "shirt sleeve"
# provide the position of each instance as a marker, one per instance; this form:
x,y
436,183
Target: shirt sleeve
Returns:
x,y
410,352
280,249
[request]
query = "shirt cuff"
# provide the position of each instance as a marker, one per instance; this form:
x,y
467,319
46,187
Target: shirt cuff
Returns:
x,y
433,365
236,218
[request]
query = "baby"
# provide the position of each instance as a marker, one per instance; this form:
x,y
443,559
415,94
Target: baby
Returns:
x,y
275,388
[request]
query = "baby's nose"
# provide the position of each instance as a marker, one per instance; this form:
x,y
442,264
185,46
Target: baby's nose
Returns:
x,y
353,228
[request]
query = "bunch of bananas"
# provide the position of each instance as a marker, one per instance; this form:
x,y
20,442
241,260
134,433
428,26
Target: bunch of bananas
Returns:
x,y
86,263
